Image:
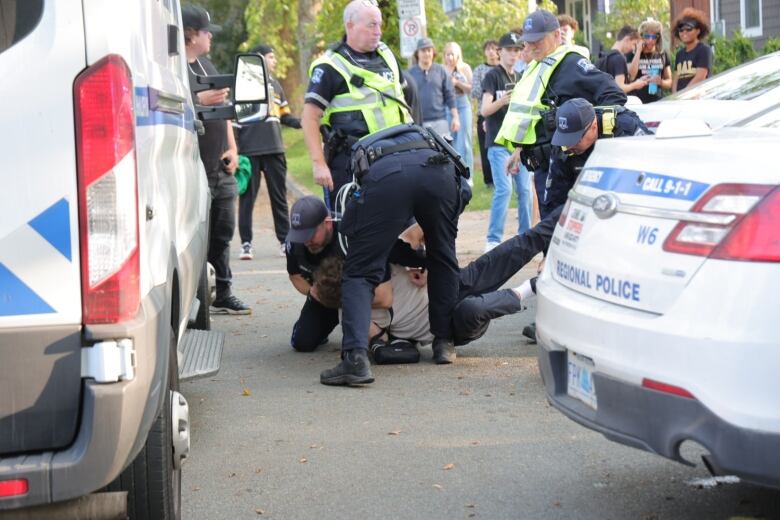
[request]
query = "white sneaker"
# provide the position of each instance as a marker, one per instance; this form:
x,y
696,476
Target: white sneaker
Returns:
x,y
491,245
282,250
246,251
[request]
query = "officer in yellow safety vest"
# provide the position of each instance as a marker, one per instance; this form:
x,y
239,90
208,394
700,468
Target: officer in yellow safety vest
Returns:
x,y
557,74
355,89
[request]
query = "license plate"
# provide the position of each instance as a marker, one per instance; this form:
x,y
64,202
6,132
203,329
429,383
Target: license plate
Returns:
x,y
580,385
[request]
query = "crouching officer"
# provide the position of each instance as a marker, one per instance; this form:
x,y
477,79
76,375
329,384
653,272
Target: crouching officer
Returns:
x,y
401,172
578,126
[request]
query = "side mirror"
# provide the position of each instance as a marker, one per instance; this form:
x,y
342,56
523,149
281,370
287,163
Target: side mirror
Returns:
x,y
249,86
251,90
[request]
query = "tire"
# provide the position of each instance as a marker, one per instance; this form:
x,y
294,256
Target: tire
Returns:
x,y
203,318
153,485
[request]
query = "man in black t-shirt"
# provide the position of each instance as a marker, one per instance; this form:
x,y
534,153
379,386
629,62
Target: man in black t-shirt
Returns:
x,y
262,143
220,159
614,61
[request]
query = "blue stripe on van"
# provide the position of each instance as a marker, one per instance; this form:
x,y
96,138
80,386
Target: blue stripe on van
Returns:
x,y
53,224
145,115
637,182
16,297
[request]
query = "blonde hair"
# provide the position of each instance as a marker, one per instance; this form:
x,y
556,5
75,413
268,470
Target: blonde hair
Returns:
x,y
656,27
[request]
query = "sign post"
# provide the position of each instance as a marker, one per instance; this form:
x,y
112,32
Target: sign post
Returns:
x,y
411,15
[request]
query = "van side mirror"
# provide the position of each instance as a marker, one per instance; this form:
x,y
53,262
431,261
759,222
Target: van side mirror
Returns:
x,y
249,86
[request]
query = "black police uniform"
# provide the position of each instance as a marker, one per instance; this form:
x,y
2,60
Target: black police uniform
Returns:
x,y
315,321
419,182
574,77
564,168
345,127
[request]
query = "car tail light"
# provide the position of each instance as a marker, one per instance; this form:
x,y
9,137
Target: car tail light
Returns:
x,y
744,202
667,388
108,194
13,488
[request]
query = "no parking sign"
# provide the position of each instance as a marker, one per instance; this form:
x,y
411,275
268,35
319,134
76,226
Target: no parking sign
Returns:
x,y
411,14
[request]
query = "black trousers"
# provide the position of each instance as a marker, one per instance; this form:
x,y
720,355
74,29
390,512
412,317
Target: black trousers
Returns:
x,y
487,173
479,301
338,171
396,188
222,225
274,166
313,326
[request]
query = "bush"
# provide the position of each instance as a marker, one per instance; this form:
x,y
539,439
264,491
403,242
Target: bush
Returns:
x,y
730,52
771,45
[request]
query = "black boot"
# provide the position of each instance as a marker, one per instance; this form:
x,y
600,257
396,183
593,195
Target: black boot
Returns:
x,y
443,351
354,369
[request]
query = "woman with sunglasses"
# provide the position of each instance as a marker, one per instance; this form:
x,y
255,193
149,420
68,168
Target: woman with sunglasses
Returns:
x,y
650,63
693,62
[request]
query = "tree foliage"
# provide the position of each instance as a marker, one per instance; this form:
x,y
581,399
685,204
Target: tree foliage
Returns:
x,y
273,23
630,12
230,15
730,52
771,45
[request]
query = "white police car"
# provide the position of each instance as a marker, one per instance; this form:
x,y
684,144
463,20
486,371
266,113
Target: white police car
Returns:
x,y
725,97
658,316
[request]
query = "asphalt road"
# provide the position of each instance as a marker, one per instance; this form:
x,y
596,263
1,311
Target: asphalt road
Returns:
x,y
476,439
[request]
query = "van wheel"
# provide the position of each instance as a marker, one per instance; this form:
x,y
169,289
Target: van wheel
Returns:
x,y
152,482
203,318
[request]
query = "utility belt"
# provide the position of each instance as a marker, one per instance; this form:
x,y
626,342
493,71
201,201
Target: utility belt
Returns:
x,y
374,147
535,157
335,142
606,115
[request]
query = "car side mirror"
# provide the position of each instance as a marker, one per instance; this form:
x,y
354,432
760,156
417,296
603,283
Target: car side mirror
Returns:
x,y
250,91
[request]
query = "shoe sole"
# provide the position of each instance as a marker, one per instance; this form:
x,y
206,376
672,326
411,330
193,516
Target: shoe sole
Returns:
x,y
347,380
444,361
245,257
223,310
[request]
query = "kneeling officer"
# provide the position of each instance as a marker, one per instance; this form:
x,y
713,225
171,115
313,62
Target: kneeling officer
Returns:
x,y
578,126
402,172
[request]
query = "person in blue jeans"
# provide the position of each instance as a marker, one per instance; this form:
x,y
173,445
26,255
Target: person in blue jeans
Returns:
x,y
461,74
496,91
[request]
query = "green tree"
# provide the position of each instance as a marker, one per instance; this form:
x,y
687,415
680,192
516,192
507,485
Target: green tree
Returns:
x,y
630,12
230,15
730,52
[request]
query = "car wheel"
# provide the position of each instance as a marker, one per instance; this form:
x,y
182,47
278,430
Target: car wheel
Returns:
x,y
203,318
153,480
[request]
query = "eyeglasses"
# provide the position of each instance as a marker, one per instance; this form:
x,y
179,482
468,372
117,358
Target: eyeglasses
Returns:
x,y
685,28
650,36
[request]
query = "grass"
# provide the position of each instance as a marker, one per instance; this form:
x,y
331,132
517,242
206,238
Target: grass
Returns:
x,y
299,167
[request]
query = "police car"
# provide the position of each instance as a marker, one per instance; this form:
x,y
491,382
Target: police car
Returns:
x,y
103,234
657,314
725,97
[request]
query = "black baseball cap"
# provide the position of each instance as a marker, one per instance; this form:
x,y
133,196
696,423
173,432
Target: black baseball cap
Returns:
x,y
198,18
262,49
425,43
306,214
510,40
538,24
572,120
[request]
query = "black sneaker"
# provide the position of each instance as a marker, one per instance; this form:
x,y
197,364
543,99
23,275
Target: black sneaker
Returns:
x,y
229,305
529,331
354,369
443,351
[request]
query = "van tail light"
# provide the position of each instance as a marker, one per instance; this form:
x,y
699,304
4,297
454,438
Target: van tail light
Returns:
x,y
108,192
14,488
750,236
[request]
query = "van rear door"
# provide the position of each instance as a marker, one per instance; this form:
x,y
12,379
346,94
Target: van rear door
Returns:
x,y
40,294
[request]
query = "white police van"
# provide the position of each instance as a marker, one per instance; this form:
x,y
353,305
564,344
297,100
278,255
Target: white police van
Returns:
x,y
103,236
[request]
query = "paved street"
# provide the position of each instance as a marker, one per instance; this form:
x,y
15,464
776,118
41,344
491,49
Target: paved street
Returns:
x,y
476,439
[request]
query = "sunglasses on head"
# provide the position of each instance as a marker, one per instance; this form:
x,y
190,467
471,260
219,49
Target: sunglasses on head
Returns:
x,y
685,27
649,36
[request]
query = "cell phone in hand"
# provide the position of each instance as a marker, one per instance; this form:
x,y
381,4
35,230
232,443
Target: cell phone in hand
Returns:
x,y
509,87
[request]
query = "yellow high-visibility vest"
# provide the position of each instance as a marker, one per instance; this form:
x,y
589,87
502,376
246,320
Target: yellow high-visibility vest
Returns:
x,y
525,105
370,99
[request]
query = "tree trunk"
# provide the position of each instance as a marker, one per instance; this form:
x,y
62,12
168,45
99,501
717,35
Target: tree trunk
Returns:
x,y
307,17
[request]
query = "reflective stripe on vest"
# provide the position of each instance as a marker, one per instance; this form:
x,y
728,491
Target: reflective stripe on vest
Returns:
x,y
525,105
378,110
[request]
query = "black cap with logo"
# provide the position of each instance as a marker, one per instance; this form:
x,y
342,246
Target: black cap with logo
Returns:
x,y
572,120
197,18
306,214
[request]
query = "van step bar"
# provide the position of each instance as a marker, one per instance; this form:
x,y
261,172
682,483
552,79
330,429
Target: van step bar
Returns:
x,y
202,353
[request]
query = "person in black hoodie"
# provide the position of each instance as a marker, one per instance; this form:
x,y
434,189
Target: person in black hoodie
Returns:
x,y
261,141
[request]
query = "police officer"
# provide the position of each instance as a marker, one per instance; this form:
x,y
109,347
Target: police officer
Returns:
x,y
557,74
403,171
578,126
355,89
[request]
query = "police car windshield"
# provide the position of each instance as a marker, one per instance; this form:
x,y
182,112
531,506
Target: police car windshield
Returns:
x,y
767,118
742,83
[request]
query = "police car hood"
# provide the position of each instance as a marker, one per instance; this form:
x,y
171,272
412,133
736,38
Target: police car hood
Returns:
x,y
619,257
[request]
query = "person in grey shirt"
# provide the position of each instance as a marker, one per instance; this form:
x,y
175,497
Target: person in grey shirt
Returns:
x,y
490,48
434,89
